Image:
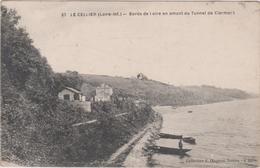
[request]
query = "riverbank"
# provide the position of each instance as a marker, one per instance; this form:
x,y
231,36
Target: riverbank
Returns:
x,y
135,153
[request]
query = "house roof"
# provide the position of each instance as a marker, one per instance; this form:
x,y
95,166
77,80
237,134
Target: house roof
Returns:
x,y
103,85
73,90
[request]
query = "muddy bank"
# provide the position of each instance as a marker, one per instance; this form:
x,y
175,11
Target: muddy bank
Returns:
x,y
135,153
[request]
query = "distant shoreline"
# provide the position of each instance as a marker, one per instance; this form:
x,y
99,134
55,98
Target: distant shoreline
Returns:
x,y
206,103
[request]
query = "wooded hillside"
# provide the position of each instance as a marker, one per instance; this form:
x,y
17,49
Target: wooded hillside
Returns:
x,y
158,93
36,127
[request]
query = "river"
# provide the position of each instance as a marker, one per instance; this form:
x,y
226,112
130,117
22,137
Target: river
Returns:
x,y
227,134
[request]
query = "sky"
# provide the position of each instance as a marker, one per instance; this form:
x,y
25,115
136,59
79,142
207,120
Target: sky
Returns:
x,y
219,50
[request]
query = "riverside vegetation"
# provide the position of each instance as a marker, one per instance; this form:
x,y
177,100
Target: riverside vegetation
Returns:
x,y
36,127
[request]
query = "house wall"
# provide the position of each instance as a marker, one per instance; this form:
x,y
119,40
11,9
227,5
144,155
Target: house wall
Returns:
x,y
64,92
103,93
83,98
86,105
80,97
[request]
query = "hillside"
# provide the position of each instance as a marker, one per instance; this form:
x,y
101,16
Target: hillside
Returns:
x,y
158,93
37,127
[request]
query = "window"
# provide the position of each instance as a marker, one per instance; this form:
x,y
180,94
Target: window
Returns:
x,y
66,97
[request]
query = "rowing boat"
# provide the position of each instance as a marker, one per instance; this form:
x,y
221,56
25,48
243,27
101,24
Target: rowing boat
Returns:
x,y
189,140
167,150
170,136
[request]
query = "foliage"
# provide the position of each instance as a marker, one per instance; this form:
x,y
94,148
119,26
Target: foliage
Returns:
x,y
68,79
22,63
110,132
36,127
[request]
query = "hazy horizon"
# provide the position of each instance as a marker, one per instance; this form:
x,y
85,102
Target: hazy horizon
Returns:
x,y
221,51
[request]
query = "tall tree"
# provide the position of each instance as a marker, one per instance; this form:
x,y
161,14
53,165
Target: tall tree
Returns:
x,y
21,61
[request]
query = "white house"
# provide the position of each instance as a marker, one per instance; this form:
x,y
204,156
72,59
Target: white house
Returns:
x,y
76,97
103,93
71,94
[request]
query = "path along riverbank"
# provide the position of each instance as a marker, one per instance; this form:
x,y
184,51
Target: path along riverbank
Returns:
x,y
135,153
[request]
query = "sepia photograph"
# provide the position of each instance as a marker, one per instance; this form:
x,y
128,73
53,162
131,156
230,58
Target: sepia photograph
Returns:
x,y
130,84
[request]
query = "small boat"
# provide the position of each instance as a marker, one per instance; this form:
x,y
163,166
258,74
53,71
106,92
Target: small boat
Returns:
x,y
170,136
167,150
189,140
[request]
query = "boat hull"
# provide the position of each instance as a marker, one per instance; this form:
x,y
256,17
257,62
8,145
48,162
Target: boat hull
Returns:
x,y
189,140
170,136
167,150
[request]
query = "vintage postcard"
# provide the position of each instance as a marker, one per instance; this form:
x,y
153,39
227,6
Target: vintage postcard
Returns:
x,y
130,84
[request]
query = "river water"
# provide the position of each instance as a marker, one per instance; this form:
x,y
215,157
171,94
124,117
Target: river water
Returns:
x,y
227,134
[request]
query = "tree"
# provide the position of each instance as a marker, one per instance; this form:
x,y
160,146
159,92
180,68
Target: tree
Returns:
x,y
141,76
26,69
68,79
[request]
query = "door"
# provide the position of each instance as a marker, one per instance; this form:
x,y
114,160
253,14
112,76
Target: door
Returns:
x,y
76,96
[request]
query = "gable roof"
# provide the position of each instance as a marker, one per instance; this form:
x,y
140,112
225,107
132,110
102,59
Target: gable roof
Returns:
x,y
73,90
103,85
